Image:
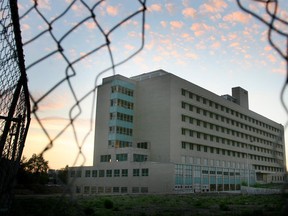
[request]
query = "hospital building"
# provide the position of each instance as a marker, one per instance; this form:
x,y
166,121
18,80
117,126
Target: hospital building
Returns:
x,y
158,133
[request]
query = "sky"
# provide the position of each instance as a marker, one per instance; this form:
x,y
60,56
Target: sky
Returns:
x,y
211,43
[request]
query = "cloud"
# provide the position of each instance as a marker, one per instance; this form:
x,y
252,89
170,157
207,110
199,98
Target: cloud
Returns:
x,y
191,55
90,25
155,7
267,48
147,26
112,11
170,8
44,4
163,24
129,47
176,24
237,16
213,6
189,12
234,44
216,45
201,28
25,27
272,58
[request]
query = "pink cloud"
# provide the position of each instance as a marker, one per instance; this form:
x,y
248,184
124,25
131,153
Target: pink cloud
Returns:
x,y
176,24
191,55
189,12
147,26
90,25
237,17
271,58
25,27
235,44
201,28
170,8
155,7
213,6
267,48
216,45
112,11
129,47
44,4
163,24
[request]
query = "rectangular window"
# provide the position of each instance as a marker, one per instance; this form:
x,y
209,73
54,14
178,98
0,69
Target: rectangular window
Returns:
x,y
72,173
145,172
205,148
116,189
183,130
183,91
135,189
136,172
121,157
79,173
86,189
183,145
142,145
124,189
144,189
124,172
93,189
94,173
78,189
108,173
139,157
101,173
190,146
105,158
87,173
116,173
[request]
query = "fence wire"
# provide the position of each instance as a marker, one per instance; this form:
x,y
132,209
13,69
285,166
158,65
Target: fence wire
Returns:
x,y
277,26
14,101
50,31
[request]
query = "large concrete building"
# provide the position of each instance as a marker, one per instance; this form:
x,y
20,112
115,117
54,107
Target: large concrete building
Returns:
x,y
158,133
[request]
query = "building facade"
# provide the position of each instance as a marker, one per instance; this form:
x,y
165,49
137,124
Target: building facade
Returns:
x,y
158,133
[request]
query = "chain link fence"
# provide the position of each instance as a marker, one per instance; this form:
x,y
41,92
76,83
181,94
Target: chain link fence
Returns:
x,y
14,101
60,64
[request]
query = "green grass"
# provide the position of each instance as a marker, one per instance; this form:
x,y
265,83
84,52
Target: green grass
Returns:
x,y
192,204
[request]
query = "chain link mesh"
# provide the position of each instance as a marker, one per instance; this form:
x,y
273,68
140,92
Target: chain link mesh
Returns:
x,y
14,101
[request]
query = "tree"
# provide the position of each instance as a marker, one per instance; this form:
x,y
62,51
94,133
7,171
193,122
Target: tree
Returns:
x,y
33,171
37,164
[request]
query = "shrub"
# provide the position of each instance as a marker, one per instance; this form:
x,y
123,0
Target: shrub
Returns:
x,y
108,204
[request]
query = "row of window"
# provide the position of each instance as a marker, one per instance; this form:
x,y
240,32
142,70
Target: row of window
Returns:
x,y
109,173
212,163
124,157
121,130
98,190
213,150
126,144
227,110
226,120
119,144
122,103
228,131
142,145
121,116
212,138
122,90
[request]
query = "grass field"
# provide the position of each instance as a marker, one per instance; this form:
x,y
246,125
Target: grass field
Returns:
x,y
190,204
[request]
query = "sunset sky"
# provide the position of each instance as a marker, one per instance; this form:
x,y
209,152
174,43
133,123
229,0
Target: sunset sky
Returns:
x,y
210,43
